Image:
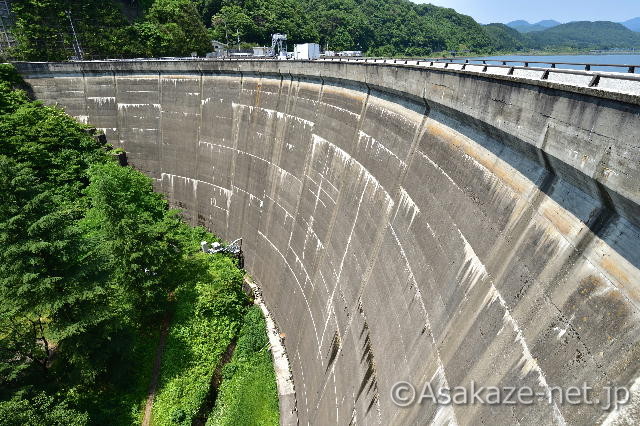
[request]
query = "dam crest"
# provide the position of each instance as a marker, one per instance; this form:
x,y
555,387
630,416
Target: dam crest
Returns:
x,y
404,224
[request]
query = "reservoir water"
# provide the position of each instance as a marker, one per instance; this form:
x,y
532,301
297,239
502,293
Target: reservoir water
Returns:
x,y
629,60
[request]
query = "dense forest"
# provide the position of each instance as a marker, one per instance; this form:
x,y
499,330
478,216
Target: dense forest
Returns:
x,y
93,263
506,39
157,28
129,28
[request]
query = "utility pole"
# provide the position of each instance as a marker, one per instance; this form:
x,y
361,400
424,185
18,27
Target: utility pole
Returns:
x,y
76,44
6,38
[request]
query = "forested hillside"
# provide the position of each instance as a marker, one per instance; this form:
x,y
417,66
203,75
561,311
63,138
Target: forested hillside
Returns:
x,y
574,36
105,28
130,28
505,38
585,35
156,28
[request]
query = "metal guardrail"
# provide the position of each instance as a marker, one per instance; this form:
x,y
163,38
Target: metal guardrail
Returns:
x,y
587,66
482,61
595,76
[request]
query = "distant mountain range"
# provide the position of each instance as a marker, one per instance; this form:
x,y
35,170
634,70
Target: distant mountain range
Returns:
x,y
526,27
632,24
571,36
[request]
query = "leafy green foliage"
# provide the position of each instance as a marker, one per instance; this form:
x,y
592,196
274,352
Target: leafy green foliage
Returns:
x,y
44,30
379,27
209,309
44,155
91,258
248,395
132,233
177,27
256,20
171,28
42,410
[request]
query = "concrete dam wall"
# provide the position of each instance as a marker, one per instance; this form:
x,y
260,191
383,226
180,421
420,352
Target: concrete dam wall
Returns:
x,y
405,224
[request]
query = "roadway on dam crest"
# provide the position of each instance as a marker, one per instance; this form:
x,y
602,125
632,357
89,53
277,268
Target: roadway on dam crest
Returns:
x,y
404,224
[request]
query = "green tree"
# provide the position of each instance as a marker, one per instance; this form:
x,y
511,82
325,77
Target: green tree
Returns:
x,y
41,410
133,232
173,28
44,276
231,22
43,29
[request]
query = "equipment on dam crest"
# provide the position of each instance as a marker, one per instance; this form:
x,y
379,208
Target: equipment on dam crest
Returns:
x,y
306,51
279,45
234,249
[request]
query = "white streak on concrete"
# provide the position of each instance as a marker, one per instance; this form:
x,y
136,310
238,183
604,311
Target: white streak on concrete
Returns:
x,y
378,146
527,362
430,161
425,312
194,184
304,296
101,100
122,106
270,113
343,110
408,204
353,227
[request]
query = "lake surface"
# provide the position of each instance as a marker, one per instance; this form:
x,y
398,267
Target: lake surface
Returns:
x,y
587,59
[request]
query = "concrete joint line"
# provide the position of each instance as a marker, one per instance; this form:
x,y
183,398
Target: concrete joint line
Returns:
x,y
305,172
381,233
334,215
160,134
84,89
307,157
115,95
198,134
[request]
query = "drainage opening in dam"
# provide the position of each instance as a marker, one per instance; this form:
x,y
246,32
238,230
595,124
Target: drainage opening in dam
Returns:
x,y
406,224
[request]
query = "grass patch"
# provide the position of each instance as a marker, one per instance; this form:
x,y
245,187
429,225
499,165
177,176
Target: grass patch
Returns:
x,y
209,309
248,394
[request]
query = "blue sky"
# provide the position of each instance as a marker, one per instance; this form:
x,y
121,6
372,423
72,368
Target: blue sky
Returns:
x,y
487,11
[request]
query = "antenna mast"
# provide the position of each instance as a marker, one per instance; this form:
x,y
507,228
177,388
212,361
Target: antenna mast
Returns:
x,y
6,38
76,44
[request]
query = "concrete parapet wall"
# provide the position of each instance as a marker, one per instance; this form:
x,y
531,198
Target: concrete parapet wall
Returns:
x,y
404,223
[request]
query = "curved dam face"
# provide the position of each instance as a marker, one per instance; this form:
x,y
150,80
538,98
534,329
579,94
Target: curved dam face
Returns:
x,y
428,226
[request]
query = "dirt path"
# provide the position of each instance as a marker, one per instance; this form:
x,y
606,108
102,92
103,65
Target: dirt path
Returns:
x,y
155,375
